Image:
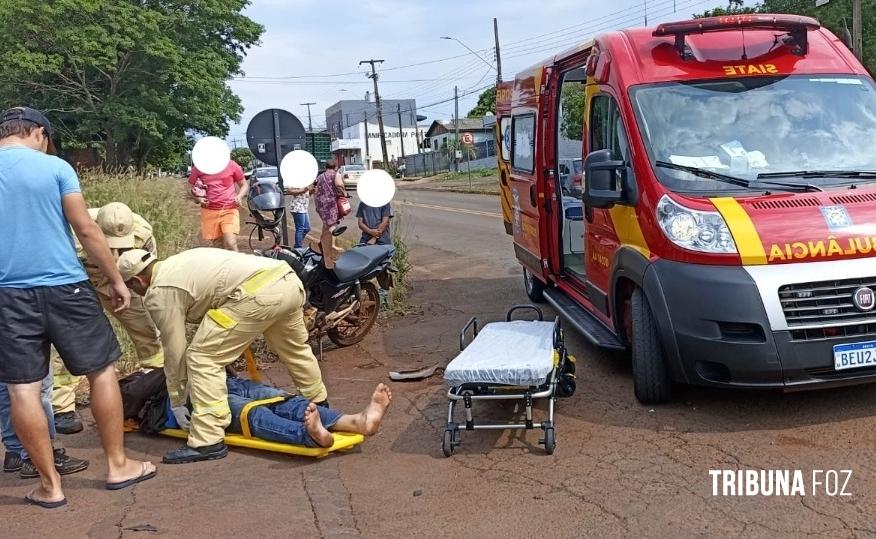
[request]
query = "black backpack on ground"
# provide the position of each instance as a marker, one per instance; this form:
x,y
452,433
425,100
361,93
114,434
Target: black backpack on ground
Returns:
x,y
144,399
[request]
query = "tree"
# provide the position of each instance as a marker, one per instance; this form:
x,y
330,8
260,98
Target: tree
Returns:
x,y
573,111
486,103
133,78
243,156
734,7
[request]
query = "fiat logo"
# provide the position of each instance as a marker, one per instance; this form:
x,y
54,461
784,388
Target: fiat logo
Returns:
x,y
864,299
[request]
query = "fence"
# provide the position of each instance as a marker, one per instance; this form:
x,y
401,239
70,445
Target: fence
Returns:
x,y
483,155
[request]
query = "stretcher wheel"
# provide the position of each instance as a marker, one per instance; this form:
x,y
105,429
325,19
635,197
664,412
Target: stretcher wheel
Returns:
x,y
447,443
550,440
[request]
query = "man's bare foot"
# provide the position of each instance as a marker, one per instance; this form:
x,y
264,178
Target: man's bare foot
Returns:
x,y
376,409
131,470
315,429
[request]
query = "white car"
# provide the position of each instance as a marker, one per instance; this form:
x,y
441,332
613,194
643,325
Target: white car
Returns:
x,y
351,174
264,174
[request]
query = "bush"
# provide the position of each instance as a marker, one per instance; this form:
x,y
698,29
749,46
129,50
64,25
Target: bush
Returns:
x,y
162,202
398,296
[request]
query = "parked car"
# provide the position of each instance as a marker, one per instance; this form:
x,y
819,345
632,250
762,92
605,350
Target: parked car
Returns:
x,y
571,172
351,174
263,174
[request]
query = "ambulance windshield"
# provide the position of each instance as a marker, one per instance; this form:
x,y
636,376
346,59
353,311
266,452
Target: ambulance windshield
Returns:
x,y
759,126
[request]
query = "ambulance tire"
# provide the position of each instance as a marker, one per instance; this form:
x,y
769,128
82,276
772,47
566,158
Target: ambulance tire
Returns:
x,y
651,381
533,287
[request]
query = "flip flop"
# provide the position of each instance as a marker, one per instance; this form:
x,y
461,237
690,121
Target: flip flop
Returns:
x,y
139,479
45,504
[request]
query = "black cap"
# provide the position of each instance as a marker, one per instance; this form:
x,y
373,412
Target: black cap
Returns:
x,y
30,115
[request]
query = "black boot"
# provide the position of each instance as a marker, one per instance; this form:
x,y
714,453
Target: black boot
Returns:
x,y
68,423
186,454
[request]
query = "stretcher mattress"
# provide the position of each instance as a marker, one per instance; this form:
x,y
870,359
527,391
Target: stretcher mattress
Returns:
x,y
518,353
343,442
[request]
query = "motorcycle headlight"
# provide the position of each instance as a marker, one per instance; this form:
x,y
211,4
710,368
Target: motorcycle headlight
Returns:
x,y
703,231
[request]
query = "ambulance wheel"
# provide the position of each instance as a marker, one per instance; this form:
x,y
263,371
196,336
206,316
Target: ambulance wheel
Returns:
x,y
651,381
447,443
534,288
550,440
353,328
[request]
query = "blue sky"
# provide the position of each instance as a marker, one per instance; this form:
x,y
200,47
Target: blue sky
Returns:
x,y
309,39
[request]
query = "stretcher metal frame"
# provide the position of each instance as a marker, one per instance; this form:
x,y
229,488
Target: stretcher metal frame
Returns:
x,y
467,393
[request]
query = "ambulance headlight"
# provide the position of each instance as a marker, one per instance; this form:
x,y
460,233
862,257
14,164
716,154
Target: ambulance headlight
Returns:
x,y
702,231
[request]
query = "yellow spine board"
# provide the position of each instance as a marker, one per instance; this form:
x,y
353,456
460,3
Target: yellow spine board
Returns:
x,y
343,442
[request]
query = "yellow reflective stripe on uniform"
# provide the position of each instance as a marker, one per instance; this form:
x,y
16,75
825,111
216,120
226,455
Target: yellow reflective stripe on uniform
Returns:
x,y
263,278
65,379
244,414
153,361
217,407
221,318
742,229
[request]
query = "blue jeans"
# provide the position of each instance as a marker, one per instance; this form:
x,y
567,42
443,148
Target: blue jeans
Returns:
x,y
302,227
282,422
10,440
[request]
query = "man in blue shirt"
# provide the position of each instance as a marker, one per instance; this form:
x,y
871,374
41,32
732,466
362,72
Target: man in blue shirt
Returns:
x,y
46,299
374,224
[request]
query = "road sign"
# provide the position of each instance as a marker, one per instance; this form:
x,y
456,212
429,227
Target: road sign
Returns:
x,y
271,134
459,154
260,135
467,138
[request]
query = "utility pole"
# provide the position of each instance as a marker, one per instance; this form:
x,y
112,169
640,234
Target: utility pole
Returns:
x,y
456,124
416,125
401,132
373,76
309,119
857,29
498,55
367,159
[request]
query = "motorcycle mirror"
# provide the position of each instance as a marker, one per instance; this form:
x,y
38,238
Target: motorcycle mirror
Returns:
x,y
339,231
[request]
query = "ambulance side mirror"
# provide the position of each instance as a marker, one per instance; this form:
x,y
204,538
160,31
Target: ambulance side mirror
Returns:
x,y
604,180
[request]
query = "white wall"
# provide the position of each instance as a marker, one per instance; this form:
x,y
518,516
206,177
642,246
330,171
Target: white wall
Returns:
x,y
393,144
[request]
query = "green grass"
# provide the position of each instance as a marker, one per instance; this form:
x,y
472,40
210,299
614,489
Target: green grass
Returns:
x,y
462,175
400,293
162,202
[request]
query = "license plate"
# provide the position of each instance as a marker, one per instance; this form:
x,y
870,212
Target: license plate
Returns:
x,y
854,355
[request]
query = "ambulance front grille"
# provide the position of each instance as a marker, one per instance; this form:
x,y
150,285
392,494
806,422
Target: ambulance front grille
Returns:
x,y
825,303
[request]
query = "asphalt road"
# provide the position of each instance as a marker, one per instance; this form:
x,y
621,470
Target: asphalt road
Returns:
x,y
620,468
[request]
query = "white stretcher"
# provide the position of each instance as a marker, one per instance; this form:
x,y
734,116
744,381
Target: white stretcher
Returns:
x,y
512,360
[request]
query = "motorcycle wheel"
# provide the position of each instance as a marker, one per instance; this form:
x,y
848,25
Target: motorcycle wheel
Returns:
x,y
358,323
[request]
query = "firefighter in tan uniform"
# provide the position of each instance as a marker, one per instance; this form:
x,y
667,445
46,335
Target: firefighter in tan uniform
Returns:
x,y
124,230
234,298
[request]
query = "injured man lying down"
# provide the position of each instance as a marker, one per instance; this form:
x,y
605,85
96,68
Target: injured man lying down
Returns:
x,y
291,420
298,421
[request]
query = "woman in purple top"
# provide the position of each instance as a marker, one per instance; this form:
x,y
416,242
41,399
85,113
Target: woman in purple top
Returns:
x,y
328,186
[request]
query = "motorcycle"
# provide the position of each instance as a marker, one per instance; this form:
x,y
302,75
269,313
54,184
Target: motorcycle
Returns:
x,y
342,302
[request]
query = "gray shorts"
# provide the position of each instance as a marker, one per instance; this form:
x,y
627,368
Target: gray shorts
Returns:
x,y
69,317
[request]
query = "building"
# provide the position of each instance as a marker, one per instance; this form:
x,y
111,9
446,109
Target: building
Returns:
x,y
443,132
352,123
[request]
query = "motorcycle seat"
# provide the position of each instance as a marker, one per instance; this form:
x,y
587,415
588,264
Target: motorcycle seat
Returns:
x,y
359,261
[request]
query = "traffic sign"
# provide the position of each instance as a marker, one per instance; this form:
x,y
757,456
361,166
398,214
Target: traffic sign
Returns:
x,y
260,135
271,134
467,138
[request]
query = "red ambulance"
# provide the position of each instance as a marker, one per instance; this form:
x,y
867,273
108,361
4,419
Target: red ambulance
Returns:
x,y
724,229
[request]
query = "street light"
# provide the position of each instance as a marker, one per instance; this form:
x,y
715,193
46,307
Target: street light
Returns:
x,y
470,50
